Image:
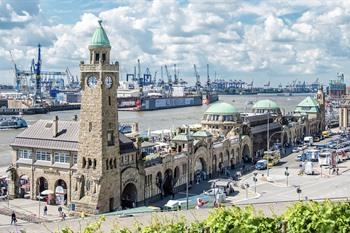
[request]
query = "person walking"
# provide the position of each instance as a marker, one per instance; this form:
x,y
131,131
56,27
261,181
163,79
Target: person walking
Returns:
x,y
60,210
45,210
63,216
13,218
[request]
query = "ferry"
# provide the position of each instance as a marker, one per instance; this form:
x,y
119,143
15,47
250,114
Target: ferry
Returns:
x,y
12,122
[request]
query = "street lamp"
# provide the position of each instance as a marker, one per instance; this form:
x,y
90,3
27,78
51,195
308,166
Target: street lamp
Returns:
x,y
286,173
299,191
255,180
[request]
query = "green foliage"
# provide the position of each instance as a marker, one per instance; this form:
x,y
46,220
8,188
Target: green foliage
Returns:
x,y
240,220
308,217
325,217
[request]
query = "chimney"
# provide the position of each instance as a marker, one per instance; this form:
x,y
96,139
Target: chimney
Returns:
x,y
75,118
55,127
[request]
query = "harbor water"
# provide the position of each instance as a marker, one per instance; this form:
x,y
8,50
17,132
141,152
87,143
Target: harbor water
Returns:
x,y
154,120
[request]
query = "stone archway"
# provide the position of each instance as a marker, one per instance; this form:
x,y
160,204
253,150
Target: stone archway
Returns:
x,y
24,186
42,185
233,159
129,196
159,180
246,154
176,175
61,192
168,184
200,170
214,164
227,163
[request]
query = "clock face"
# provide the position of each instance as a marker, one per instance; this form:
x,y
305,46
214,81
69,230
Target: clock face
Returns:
x,y
92,81
108,81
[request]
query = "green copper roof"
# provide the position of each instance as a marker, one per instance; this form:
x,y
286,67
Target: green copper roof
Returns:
x,y
100,38
308,105
308,102
265,104
182,138
221,108
202,133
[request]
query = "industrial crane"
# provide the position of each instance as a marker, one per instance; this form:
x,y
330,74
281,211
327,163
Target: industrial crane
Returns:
x,y
198,82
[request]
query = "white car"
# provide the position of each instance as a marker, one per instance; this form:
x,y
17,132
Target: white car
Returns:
x,y
214,191
295,149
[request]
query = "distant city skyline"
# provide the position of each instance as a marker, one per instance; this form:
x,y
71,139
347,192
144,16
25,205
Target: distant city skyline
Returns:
x,y
272,40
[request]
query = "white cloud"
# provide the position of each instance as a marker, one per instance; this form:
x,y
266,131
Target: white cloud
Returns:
x,y
291,38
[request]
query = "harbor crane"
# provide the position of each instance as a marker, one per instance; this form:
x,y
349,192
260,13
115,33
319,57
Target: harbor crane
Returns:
x,y
208,78
35,80
198,81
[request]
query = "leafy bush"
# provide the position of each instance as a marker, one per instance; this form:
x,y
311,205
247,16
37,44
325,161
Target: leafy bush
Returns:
x,y
327,217
309,217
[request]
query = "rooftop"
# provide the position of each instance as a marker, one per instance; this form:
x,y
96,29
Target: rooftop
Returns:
x,y
266,104
40,135
221,108
100,38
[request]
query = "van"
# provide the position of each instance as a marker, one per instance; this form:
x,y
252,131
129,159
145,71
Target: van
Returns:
x,y
261,164
309,140
309,168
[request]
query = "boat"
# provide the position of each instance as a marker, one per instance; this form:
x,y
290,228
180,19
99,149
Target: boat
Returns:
x,y
12,122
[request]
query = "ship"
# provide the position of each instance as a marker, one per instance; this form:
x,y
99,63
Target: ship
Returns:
x,y
146,93
12,122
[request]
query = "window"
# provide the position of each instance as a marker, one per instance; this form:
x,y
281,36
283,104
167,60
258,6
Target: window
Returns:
x,y
62,157
103,57
110,138
90,126
43,155
95,162
109,101
97,57
24,154
84,162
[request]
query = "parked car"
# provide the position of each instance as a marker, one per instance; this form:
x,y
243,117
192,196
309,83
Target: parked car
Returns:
x,y
299,157
295,149
261,164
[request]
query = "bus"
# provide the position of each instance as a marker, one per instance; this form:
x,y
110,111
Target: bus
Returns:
x,y
312,155
272,157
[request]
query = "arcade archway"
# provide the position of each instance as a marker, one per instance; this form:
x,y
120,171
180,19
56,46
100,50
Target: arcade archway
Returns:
x,y
168,187
129,196
24,186
61,192
246,154
42,185
200,170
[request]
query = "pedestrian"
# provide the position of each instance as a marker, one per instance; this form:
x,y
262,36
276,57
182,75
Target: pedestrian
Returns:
x,y
13,218
45,210
60,210
63,216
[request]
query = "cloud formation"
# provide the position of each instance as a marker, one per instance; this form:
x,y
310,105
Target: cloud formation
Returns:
x,y
266,39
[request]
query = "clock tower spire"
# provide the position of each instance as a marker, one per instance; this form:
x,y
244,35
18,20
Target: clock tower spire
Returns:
x,y
97,181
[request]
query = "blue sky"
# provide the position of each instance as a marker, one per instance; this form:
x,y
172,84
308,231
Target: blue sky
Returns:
x,y
261,40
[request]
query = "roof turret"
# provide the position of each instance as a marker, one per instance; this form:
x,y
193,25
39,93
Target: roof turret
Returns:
x,y
99,38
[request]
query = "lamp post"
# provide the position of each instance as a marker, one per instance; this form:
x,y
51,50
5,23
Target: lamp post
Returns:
x,y
286,173
299,191
255,180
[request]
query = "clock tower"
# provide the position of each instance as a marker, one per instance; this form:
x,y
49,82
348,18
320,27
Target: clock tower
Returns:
x,y
96,184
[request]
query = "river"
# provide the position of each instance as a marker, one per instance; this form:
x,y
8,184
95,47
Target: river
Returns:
x,y
162,119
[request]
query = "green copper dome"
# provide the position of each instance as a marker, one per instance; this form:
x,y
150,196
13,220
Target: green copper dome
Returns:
x,y
221,108
308,105
100,38
265,104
